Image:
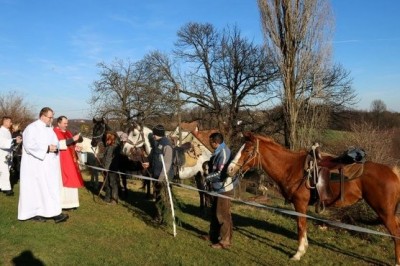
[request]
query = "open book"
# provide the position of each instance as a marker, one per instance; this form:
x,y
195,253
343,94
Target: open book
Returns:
x,y
62,145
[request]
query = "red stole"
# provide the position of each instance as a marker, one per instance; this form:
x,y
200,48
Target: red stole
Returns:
x,y
71,174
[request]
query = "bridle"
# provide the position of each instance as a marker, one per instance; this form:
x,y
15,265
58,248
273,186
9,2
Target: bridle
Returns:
x,y
102,133
253,156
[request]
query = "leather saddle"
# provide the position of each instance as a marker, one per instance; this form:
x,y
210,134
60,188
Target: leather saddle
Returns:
x,y
186,155
325,168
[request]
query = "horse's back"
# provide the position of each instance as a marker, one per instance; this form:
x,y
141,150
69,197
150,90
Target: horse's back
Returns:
x,y
380,181
85,145
381,172
188,172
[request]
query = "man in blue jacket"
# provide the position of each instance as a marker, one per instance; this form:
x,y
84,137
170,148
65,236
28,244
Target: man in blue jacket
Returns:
x,y
220,233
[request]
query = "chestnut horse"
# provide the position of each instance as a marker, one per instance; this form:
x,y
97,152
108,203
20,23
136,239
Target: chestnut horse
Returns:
x,y
378,185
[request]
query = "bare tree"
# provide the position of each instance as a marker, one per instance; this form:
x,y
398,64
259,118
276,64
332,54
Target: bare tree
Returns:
x,y
14,105
161,65
227,72
297,34
128,91
378,108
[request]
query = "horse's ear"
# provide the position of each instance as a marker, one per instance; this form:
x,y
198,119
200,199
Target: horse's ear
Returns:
x,y
97,121
247,135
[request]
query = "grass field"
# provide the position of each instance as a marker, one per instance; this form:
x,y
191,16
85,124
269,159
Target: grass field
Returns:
x,y
124,234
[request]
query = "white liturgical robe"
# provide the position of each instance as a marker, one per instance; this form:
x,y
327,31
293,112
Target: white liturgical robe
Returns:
x,y
40,175
5,148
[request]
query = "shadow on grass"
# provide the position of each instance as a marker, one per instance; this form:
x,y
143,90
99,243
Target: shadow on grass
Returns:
x,y
144,209
243,223
26,257
139,205
135,201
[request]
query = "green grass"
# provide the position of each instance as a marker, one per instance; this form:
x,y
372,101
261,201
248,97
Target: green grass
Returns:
x,y
123,234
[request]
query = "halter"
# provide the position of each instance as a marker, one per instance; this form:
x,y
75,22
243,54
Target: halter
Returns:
x,y
140,138
254,155
101,134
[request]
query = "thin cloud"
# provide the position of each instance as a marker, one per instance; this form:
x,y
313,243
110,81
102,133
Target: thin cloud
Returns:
x,y
369,40
88,43
347,41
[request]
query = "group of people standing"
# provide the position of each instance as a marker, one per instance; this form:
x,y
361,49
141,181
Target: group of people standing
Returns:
x,y
160,165
50,174
49,171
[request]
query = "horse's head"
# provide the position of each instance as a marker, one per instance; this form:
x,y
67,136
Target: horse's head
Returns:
x,y
246,157
99,129
134,129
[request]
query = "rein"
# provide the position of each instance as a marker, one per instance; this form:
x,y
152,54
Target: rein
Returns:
x,y
313,169
256,156
234,181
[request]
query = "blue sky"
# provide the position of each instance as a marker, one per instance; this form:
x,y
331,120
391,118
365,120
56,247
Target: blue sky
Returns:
x,y
49,49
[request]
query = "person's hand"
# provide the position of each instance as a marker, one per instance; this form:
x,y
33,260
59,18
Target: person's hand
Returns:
x,y
145,165
78,148
76,137
53,148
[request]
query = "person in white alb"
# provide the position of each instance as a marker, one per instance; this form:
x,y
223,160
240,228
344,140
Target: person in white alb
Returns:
x,y
40,177
6,143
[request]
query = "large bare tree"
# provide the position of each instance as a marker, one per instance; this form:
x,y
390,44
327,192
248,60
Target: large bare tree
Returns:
x,y
226,72
128,91
167,72
297,34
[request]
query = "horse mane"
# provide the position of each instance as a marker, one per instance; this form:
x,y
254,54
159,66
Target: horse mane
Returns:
x,y
276,145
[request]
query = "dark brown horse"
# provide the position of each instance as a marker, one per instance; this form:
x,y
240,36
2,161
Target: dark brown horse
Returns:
x,y
379,185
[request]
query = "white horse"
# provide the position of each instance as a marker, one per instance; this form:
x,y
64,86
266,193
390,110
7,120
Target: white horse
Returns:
x,y
186,172
90,156
137,137
198,171
137,144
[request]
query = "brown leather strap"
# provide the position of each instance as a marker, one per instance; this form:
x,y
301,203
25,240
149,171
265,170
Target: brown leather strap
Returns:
x,y
341,184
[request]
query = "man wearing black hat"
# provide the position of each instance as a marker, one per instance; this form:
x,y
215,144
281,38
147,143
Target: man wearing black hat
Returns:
x,y
162,147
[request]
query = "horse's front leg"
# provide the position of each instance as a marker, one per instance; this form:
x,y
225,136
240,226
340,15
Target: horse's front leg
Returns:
x,y
200,186
300,206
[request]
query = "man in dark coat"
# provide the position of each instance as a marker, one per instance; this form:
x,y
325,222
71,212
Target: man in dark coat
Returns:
x,y
162,148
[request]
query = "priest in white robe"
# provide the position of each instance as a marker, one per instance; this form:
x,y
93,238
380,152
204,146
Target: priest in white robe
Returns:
x,y
40,177
6,143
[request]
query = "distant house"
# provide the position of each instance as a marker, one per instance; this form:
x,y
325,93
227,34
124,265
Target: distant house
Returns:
x,y
186,128
191,133
200,137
